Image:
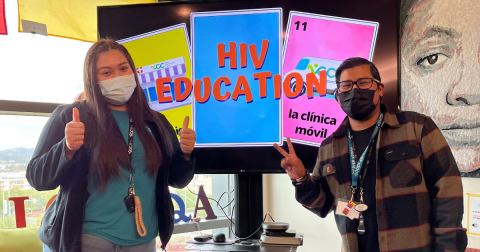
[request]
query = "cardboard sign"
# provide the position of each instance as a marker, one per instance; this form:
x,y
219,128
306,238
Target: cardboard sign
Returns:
x,y
34,27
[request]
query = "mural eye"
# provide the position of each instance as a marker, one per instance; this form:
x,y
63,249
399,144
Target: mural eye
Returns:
x,y
431,60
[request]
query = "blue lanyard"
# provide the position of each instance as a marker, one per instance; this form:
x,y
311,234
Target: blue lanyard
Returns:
x,y
356,167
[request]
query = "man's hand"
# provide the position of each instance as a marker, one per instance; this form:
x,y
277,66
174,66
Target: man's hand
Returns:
x,y
187,138
291,163
74,135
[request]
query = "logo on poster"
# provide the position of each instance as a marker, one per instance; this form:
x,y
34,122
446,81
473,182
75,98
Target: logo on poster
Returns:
x,y
315,65
309,65
162,65
312,69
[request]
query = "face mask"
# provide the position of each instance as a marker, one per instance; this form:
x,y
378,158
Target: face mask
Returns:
x,y
358,103
118,90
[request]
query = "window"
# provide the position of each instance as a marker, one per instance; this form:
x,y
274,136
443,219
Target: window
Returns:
x,y
18,137
37,68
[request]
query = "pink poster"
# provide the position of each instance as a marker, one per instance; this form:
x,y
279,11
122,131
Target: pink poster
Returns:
x,y
314,43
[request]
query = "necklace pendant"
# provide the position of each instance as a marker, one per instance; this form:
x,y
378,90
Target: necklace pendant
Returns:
x,y
130,200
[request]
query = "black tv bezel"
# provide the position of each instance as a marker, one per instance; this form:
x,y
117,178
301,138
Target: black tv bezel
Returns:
x,y
198,151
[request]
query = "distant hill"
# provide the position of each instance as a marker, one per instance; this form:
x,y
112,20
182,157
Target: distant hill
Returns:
x,y
19,155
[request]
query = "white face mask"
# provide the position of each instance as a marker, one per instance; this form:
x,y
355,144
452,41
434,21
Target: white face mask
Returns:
x,y
118,90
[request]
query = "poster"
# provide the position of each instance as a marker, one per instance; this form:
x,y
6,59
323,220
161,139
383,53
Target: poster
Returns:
x,y
163,53
439,51
230,48
316,43
473,211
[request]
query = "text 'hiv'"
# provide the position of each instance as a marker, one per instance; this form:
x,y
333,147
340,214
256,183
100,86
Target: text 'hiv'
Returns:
x,y
202,89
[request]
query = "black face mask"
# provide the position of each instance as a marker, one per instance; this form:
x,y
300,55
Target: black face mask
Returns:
x,y
358,103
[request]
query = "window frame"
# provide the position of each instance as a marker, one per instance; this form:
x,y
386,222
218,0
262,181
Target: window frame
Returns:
x,y
27,108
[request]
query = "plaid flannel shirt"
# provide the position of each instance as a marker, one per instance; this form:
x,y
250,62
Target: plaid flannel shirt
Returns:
x,y
419,194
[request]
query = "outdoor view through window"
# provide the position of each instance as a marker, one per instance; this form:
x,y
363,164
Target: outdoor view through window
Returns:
x,y
18,137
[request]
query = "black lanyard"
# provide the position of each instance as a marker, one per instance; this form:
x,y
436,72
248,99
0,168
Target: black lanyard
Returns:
x,y
130,139
133,202
130,199
130,152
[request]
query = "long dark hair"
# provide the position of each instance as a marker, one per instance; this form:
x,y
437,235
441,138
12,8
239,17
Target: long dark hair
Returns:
x,y
109,149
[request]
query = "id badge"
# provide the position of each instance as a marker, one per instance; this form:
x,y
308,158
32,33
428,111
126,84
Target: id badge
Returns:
x,y
346,208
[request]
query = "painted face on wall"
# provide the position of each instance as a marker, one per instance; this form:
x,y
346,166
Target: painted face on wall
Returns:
x,y
440,51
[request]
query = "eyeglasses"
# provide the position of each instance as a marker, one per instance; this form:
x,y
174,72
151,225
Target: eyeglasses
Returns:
x,y
363,83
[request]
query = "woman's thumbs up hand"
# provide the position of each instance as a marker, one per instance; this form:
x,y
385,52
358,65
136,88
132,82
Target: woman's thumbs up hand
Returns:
x,y
187,138
74,134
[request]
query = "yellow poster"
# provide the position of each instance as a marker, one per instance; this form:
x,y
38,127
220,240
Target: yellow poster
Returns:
x,y
158,54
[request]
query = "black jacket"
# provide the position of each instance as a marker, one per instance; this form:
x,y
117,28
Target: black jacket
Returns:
x,y
61,228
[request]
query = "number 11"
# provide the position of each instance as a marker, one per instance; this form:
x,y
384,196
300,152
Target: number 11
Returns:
x,y
304,25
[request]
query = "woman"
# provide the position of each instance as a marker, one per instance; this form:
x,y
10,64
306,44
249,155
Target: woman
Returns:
x,y
84,149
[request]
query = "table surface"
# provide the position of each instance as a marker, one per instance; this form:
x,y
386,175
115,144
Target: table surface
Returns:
x,y
255,246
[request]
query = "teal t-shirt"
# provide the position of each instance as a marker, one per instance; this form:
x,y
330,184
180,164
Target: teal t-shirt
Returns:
x,y
106,215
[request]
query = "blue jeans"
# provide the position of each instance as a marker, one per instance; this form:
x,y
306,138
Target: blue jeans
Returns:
x,y
46,248
91,243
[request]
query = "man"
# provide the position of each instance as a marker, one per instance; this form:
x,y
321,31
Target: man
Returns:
x,y
406,187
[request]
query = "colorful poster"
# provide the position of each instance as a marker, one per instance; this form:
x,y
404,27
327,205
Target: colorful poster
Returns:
x,y
318,44
231,49
158,54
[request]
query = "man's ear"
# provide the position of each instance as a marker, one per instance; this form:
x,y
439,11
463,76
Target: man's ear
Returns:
x,y
335,93
381,87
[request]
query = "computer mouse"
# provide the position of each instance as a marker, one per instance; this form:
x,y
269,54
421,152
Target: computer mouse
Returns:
x,y
219,237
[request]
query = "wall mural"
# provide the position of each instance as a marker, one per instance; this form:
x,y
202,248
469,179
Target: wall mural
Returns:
x,y
440,53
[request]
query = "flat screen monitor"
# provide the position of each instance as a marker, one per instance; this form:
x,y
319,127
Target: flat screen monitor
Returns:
x,y
249,74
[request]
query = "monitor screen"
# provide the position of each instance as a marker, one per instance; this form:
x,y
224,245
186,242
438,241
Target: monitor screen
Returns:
x,y
249,74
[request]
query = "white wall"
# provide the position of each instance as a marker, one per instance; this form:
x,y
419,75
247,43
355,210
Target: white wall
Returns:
x,y
279,200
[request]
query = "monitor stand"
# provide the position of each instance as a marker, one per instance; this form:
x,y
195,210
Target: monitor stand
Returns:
x,y
248,205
